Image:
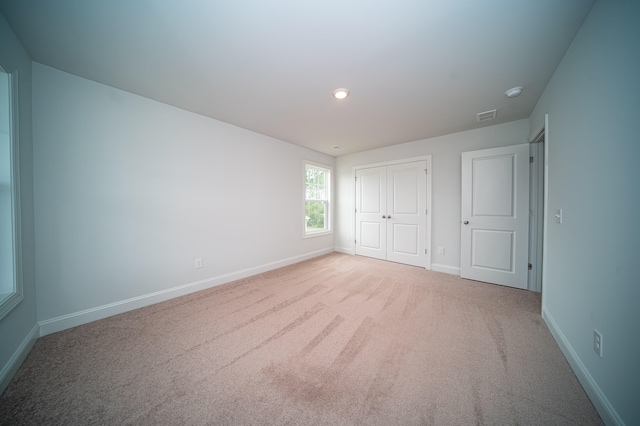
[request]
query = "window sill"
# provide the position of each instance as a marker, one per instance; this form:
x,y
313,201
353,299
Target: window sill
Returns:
x,y
317,234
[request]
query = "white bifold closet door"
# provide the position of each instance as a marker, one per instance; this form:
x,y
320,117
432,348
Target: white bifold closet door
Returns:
x,y
391,212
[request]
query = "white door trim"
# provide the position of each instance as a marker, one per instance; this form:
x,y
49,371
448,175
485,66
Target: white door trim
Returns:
x,y
545,221
426,158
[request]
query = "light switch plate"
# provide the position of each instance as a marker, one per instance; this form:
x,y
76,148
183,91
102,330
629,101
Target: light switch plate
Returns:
x,y
558,215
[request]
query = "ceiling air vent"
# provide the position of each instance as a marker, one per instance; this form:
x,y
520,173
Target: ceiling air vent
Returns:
x,y
487,115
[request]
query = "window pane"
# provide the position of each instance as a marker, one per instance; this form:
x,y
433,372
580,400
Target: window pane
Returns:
x,y
317,192
315,184
315,212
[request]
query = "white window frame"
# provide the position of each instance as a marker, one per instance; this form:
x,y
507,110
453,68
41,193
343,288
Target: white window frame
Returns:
x,y
328,199
11,293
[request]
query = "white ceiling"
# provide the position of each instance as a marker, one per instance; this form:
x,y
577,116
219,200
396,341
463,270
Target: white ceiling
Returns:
x,y
415,69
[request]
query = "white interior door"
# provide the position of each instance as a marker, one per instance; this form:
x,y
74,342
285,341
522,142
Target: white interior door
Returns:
x,y
406,213
371,206
495,215
391,212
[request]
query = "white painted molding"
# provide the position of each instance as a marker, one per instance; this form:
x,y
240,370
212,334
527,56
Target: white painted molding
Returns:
x,y
452,270
609,415
345,250
15,296
75,319
11,367
392,162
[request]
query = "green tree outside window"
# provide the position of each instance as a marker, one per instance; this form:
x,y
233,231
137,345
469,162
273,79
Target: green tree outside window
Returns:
x,y
316,198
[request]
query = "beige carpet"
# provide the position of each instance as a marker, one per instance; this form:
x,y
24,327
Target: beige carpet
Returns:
x,y
337,340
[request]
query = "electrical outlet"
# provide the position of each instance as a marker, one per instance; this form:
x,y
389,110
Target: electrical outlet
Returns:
x,y
597,342
198,262
440,250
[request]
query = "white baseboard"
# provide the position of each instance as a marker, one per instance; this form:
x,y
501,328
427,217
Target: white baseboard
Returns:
x,y
609,415
75,319
11,367
452,270
344,250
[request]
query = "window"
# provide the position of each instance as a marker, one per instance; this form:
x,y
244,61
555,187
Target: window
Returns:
x,y
317,184
10,282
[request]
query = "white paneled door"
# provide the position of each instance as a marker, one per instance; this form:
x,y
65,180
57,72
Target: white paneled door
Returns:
x,y
391,212
494,225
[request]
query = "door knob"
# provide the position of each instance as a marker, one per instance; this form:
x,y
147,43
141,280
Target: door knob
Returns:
x,y
466,222
384,217
389,217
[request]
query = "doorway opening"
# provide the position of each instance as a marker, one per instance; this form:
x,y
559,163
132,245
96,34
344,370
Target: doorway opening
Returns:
x,y
536,210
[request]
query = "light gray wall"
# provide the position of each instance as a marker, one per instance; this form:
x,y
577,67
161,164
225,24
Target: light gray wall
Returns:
x,y
593,102
446,162
18,327
129,191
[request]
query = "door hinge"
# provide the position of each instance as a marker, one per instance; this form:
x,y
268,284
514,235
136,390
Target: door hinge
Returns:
x,y
356,178
356,210
355,241
426,171
426,211
531,159
425,251
530,266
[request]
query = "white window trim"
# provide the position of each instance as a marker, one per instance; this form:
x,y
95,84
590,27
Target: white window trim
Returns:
x,y
11,299
329,217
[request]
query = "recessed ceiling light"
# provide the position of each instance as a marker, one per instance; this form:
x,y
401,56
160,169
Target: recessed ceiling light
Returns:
x,y
513,92
340,93
338,148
